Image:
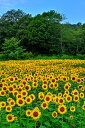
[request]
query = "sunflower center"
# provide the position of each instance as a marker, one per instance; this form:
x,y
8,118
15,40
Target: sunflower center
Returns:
x,y
44,105
35,114
62,109
54,114
20,101
10,88
10,117
28,99
61,101
24,93
47,98
8,108
2,93
68,98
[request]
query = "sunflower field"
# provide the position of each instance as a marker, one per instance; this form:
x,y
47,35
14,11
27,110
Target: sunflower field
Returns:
x,y
42,94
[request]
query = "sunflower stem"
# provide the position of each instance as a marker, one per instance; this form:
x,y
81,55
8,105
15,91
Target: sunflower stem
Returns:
x,y
20,115
10,125
0,118
35,124
62,121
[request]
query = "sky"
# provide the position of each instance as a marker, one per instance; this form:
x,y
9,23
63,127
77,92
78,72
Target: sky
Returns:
x,y
73,10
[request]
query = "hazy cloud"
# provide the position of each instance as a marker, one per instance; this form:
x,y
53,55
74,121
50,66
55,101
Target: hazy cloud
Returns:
x,y
5,4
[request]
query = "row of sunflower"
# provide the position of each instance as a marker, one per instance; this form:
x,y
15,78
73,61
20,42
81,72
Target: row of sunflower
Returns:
x,y
41,86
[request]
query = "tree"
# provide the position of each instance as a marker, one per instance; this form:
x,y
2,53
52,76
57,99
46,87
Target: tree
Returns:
x,y
12,16
8,21
44,33
11,49
22,30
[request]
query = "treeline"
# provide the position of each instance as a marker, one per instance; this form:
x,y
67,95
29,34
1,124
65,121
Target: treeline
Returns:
x,y
23,36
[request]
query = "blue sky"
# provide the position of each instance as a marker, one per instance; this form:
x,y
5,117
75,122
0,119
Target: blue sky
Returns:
x,y
74,10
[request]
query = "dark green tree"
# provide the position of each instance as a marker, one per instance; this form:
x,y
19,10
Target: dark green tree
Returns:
x,y
8,22
44,33
12,49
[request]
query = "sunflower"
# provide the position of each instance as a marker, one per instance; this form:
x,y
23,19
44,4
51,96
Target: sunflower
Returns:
x,y
65,95
1,85
21,85
48,98
76,98
83,106
44,105
24,93
45,82
80,86
53,80
28,112
20,89
9,99
14,86
12,103
67,92
49,93
73,78
11,79
34,84
82,89
2,104
11,89
10,118
54,114
59,94
56,85
81,95
15,93
62,109
78,80
44,86
28,87
18,95
35,114
72,108
60,100
41,95
3,80
75,92
24,82
51,85
4,88
71,117
32,96
8,108
66,87
28,99
2,93
68,98
20,102
64,78
55,99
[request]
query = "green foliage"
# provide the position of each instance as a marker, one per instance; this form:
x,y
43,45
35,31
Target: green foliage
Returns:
x,y
27,55
80,56
43,35
64,56
11,48
42,126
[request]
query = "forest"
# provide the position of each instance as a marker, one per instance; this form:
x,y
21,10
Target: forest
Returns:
x,y
23,35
